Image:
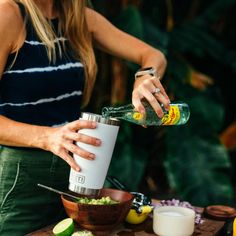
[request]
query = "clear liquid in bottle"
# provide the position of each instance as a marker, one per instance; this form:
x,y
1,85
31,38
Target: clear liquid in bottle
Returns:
x,y
178,114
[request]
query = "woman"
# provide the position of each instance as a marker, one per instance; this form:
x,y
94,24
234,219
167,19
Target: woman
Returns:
x,y
47,71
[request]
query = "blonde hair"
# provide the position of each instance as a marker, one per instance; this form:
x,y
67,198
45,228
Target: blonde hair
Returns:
x,y
74,27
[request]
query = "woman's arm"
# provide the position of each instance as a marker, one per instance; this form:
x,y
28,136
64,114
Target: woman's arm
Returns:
x,y
123,45
58,140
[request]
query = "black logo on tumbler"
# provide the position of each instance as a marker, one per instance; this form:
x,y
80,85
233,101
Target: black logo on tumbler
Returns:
x,y
80,179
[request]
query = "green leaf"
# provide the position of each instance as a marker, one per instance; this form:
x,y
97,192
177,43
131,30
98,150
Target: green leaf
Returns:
x,y
198,41
155,37
129,157
130,21
214,12
197,164
198,169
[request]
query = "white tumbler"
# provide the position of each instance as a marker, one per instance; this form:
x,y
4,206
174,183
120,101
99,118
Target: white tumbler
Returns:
x,y
92,175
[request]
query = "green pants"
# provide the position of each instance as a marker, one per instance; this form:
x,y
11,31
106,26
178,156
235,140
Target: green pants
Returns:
x,y
25,207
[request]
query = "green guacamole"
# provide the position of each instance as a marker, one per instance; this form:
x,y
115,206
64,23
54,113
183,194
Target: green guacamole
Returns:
x,y
100,201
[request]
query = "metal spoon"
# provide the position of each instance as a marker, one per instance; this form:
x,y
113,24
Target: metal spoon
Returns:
x,y
58,191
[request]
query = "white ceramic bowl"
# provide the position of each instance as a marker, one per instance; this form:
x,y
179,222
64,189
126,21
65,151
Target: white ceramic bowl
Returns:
x,y
173,221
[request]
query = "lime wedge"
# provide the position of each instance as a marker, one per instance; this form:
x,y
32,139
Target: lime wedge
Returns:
x,y
64,228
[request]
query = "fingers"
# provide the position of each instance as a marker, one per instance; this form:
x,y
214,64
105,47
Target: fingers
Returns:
x,y
136,101
78,151
61,141
162,99
78,137
72,135
157,84
146,89
69,159
81,124
150,97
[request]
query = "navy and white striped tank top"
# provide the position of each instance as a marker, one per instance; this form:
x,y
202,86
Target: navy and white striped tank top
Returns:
x,y
38,92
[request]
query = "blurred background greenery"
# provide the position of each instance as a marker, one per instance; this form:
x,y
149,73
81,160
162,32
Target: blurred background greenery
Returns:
x,y
195,162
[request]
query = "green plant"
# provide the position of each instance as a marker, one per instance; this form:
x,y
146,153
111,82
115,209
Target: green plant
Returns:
x,y
196,162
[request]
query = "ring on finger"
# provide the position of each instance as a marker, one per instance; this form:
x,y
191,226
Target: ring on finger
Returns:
x,y
157,90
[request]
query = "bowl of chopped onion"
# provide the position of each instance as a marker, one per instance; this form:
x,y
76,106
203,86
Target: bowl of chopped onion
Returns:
x,y
102,213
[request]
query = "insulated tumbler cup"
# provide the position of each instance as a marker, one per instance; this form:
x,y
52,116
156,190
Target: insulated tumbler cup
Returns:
x,y
92,176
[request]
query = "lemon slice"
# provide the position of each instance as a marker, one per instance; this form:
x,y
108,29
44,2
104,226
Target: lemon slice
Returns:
x,y
64,228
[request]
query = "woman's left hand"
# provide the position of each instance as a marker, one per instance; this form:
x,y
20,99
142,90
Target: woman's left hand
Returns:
x,y
150,88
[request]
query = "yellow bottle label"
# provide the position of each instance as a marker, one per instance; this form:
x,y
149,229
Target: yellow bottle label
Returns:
x,y
137,116
172,117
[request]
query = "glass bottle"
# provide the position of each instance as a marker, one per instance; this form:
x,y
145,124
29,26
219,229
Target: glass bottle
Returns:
x,y
178,114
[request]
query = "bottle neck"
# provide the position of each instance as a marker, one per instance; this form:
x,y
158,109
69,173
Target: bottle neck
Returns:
x,y
116,112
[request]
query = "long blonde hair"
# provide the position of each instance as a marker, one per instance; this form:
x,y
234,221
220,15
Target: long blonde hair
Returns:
x,y
74,27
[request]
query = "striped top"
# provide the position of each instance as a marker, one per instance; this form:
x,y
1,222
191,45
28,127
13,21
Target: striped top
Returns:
x,y
36,91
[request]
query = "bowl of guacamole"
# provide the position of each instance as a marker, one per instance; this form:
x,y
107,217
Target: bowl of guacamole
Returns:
x,y
102,213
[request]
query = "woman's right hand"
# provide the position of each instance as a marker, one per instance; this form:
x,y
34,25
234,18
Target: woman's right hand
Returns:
x,y
61,141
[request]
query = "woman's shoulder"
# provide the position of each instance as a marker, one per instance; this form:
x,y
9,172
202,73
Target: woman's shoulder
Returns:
x,y
9,11
10,16
11,21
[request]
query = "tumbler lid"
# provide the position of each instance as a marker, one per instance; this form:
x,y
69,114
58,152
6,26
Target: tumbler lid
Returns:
x,y
99,118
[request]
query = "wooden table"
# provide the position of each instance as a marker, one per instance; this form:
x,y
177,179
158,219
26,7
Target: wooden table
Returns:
x,y
207,228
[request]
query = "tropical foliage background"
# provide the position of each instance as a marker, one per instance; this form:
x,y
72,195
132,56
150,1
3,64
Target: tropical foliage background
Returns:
x,y
195,162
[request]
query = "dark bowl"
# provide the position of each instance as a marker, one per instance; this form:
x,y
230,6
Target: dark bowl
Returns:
x,y
100,217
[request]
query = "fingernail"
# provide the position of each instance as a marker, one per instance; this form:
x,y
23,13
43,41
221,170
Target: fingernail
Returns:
x,y
77,169
98,142
92,156
94,124
142,111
